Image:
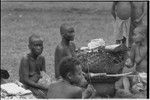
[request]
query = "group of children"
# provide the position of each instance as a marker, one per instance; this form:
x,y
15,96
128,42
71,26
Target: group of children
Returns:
x,y
71,81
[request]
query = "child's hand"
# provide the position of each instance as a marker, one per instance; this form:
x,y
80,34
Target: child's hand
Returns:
x,y
89,92
137,20
128,63
45,80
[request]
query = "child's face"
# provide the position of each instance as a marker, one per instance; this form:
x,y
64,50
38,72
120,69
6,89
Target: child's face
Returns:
x,y
36,46
69,34
137,35
78,78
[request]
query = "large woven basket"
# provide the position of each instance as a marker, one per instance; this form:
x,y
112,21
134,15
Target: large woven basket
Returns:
x,y
103,61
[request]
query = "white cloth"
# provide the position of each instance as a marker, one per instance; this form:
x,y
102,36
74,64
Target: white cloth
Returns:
x,y
14,89
96,43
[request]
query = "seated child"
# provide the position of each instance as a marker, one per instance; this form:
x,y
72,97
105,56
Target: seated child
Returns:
x,y
138,58
66,47
138,53
72,81
31,67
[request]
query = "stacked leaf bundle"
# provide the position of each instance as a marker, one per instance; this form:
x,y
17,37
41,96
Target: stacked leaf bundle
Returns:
x,y
103,61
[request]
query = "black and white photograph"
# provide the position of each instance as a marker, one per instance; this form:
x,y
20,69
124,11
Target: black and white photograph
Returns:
x,y
74,49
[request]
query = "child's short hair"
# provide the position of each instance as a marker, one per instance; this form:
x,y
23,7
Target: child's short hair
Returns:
x,y
66,27
68,64
34,36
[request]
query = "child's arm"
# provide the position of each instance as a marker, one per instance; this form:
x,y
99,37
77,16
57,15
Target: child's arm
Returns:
x,y
78,93
24,75
43,65
132,55
58,57
113,9
143,13
89,92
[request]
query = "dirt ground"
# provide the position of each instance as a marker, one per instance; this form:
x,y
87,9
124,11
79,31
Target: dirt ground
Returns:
x,y
18,24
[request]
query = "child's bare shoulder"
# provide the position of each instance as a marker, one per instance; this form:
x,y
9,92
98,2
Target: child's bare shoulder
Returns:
x,y
25,57
59,47
41,57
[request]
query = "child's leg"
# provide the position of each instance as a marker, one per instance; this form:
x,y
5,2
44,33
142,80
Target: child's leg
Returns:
x,y
119,84
38,93
126,84
118,30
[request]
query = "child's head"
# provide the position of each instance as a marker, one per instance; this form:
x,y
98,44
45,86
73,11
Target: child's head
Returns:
x,y
67,32
35,44
140,33
70,70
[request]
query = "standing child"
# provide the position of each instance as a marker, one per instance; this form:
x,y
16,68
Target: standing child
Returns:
x,y
121,11
31,67
128,16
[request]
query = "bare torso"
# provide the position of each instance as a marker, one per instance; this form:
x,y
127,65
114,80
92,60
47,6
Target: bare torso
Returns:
x,y
68,50
62,89
61,52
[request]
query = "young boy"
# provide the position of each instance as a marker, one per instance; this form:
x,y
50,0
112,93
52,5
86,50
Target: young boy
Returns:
x,y
124,28
71,83
66,47
31,67
138,59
